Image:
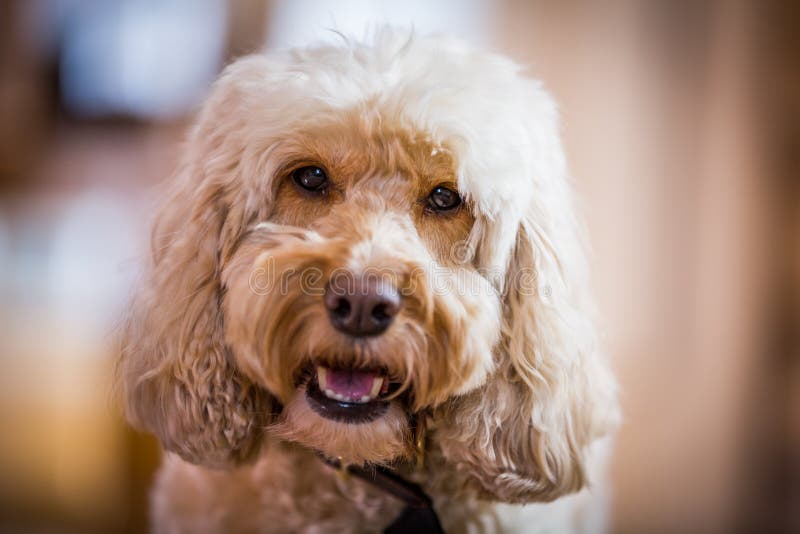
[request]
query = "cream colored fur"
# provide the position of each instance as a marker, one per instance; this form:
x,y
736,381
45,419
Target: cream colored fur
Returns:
x,y
503,366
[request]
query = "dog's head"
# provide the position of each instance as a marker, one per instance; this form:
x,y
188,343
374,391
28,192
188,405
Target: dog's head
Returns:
x,y
363,238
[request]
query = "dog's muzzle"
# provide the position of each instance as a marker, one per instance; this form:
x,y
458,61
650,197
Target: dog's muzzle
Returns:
x,y
359,307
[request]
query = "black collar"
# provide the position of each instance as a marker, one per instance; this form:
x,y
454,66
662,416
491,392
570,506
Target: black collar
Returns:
x,y
418,515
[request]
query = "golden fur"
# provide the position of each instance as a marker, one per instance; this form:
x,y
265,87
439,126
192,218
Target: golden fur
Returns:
x,y
502,367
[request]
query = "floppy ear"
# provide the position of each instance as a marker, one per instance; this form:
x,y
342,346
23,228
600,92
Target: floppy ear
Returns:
x,y
176,376
523,436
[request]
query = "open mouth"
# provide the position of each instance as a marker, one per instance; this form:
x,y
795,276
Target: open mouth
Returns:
x,y
348,395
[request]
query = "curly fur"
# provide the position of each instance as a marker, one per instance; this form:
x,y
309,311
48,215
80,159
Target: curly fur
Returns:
x,y
507,374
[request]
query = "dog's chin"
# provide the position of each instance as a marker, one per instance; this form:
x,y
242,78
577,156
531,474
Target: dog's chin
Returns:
x,y
374,431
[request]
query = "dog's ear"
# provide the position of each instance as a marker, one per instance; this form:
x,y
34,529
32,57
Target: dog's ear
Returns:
x,y
523,436
175,374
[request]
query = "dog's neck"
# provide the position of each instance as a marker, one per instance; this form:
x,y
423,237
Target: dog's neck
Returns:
x,y
418,514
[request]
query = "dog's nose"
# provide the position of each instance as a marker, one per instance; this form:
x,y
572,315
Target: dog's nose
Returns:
x,y
362,308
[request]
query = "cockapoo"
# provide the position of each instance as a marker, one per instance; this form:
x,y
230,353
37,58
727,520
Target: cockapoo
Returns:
x,y
368,292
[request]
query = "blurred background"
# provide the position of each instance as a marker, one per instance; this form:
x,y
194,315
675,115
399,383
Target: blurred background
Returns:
x,y
681,124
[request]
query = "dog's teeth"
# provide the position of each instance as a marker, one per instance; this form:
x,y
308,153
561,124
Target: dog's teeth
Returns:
x,y
377,384
365,398
322,378
330,393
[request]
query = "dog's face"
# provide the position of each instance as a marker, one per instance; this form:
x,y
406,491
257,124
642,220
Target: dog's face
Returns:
x,y
353,305
362,238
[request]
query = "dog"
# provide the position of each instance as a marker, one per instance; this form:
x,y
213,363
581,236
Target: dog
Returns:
x,y
370,259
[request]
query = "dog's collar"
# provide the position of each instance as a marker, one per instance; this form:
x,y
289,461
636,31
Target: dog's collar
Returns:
x,y
418,515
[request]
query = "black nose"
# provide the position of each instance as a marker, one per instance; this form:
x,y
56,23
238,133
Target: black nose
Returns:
x,y
361,306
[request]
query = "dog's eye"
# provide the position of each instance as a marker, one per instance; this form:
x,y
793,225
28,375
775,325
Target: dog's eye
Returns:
x,y
443,199
310,178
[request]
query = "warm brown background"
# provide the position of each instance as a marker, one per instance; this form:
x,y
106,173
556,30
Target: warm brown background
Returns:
x,y
681,121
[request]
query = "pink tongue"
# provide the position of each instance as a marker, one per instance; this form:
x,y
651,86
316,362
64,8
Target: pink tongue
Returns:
x,y
348,383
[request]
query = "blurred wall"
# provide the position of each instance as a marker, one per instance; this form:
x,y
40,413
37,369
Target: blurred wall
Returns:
x,y
680,119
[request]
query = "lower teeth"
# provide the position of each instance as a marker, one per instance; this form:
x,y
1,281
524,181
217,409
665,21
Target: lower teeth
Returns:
x,y
333,395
